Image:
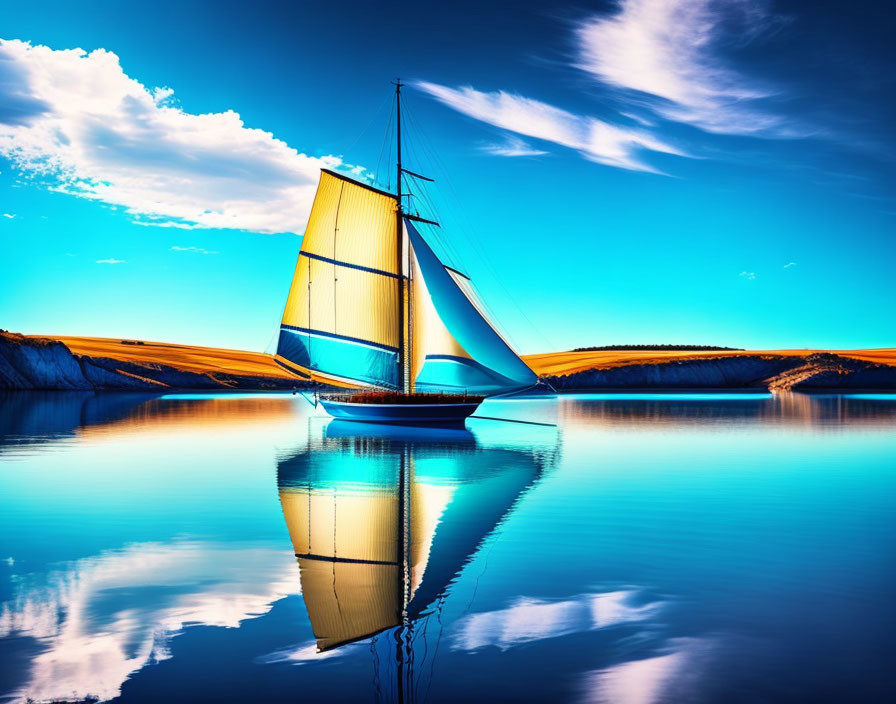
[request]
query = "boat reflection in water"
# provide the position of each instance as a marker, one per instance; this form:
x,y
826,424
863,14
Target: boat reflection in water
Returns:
x,y
383,518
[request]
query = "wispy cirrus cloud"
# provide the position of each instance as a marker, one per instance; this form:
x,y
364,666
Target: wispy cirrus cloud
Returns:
x,y
512,146
77,123
195,250
668,53
111,260
594,139
10,216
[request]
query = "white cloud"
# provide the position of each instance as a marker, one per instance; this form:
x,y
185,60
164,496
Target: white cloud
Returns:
x,y
789,265
78,123
512,146
161,93
668,51
167,223
92,640
111,260
9,215
749,275
197,250
640,119
596,140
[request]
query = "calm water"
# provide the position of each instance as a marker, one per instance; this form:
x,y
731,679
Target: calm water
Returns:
x,y
641,549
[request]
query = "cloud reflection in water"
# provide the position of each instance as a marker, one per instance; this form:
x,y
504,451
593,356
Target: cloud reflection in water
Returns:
x,y
104,617
532,619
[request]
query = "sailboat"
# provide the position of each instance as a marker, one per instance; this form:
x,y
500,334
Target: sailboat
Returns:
x,y
372,308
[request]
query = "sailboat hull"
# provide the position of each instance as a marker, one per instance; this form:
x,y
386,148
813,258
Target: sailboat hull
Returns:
x,y
400,413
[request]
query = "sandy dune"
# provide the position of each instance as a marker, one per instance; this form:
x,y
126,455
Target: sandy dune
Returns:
x,y
211,359
556,363
185,357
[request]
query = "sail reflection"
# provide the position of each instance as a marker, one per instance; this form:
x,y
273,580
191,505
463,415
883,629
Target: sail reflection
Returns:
x,y
382,519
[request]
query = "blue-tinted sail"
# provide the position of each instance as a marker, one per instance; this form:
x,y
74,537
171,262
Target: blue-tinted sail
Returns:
x,y
480,361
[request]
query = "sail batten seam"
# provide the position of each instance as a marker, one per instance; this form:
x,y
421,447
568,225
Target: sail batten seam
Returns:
x,y
348,265
336,336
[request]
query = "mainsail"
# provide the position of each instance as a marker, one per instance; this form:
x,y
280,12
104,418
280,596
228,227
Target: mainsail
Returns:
x,y
350,314
342,313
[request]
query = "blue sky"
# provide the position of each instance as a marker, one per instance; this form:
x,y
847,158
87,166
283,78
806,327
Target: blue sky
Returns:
x,y
679,171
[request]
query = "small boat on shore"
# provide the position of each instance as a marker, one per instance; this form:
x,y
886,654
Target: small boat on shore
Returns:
x,y
372,308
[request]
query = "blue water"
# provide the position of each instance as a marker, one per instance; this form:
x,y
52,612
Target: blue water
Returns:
x,y
636,549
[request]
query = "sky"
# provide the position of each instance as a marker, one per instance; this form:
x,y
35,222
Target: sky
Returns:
x,y
618,172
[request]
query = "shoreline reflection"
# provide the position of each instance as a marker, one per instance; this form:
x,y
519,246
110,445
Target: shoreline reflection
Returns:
x,y
638,412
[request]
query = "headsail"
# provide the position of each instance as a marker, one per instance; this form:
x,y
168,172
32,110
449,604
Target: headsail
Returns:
x,y
341,317
455,347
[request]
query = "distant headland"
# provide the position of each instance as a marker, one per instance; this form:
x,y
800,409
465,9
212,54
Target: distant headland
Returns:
x,y
78,363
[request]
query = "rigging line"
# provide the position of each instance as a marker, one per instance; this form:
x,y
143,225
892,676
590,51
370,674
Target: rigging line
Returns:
x,y
444,242
385,151
447,247
374,119
283,311
310,364
309,516
473,240
393,140
432,665
409,654
387,140
375,658
425,158
514,420
464,227
450,245
415,688
414,130
335,556
335,276
477,301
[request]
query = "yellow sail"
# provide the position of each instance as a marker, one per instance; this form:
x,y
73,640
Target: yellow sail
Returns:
x,y
342,313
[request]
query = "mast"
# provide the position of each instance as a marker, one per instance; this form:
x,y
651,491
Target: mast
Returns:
x,y
405,382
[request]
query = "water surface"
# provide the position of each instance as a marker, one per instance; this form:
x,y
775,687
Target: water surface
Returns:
x,y
635,549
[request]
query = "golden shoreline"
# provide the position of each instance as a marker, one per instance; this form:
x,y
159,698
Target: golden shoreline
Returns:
x,y
205,360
